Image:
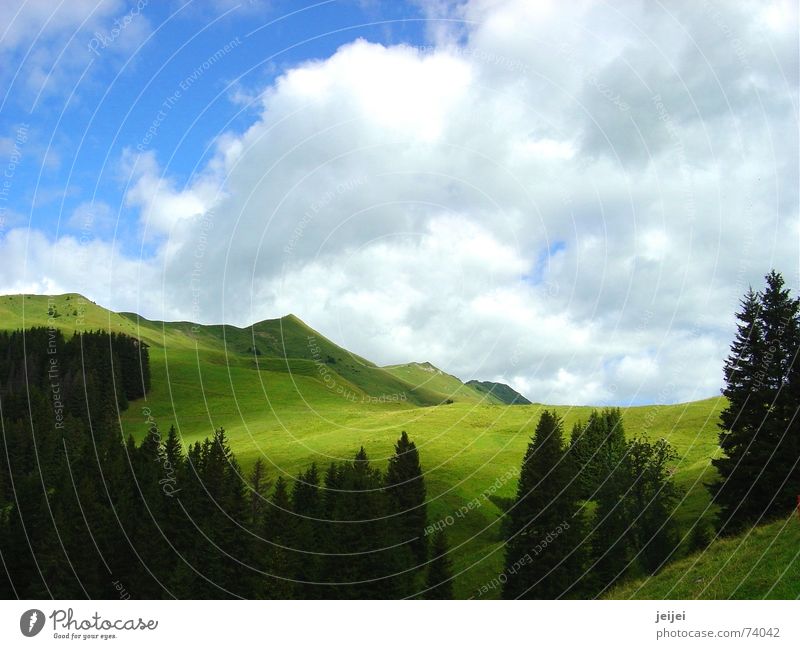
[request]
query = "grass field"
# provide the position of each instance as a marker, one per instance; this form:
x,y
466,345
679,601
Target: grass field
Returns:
x,y
288,395
762,563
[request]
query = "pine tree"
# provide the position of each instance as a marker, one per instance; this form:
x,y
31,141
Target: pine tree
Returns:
x,y
544,558
176,530
306,495
780,319
586,442
278,532
258,487
652,499
193,549
146,517
613,545
360,536
439,582
405,486
364,553
173,452
759,438
307,533
223,551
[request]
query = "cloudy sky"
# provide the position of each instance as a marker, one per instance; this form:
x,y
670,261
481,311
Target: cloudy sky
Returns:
x,y
569,197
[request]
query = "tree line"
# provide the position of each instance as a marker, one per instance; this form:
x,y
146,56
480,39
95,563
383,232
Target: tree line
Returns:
x,y
598,509
588,512
85,512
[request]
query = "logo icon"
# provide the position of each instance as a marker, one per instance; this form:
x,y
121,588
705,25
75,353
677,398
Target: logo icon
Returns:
x,y
31,622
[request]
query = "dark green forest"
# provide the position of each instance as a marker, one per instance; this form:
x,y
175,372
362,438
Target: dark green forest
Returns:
x,y
85,510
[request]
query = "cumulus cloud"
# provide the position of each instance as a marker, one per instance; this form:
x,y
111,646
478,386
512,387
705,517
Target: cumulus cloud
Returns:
x,y
34,263
570,197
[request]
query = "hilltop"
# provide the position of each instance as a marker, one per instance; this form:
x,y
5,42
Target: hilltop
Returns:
x,y
500,391
431,377
285,344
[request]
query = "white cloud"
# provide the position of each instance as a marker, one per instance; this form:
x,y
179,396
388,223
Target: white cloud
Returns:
x,y
163,206
35,264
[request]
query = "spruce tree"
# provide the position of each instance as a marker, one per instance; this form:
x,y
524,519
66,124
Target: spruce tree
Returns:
x,y
586,443
174,526
278,532
365,552
173,451
780,319
612,542
439,582
544,558
652,499
143,521
307,533
258,486
405,486
759,438
360,532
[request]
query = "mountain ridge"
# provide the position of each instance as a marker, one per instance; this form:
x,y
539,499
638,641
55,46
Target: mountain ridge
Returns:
x,y
286,343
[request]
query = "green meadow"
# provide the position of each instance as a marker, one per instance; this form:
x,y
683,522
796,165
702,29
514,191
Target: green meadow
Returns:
x,y
286,394
761,564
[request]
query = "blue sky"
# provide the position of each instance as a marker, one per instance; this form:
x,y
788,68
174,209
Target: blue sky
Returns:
x,y
568,197
82,118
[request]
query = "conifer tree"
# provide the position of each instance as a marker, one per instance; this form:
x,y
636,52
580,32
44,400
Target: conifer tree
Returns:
x,y
176,530
544,558
585,442
278,531
780,319
596,449
364,551
439,582
760,438
652,499
173,451
193,549
258,486
143,521
307,533
612,543
359,531
405,486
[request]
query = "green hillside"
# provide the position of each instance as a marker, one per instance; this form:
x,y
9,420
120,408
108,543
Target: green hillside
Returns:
x,y
430,377
71,312
499,391
763,563
289,346
291,405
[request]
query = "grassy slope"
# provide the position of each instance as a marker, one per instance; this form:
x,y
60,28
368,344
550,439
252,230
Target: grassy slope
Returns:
x,y
762,563
499,391
281,409
282,341
432,378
